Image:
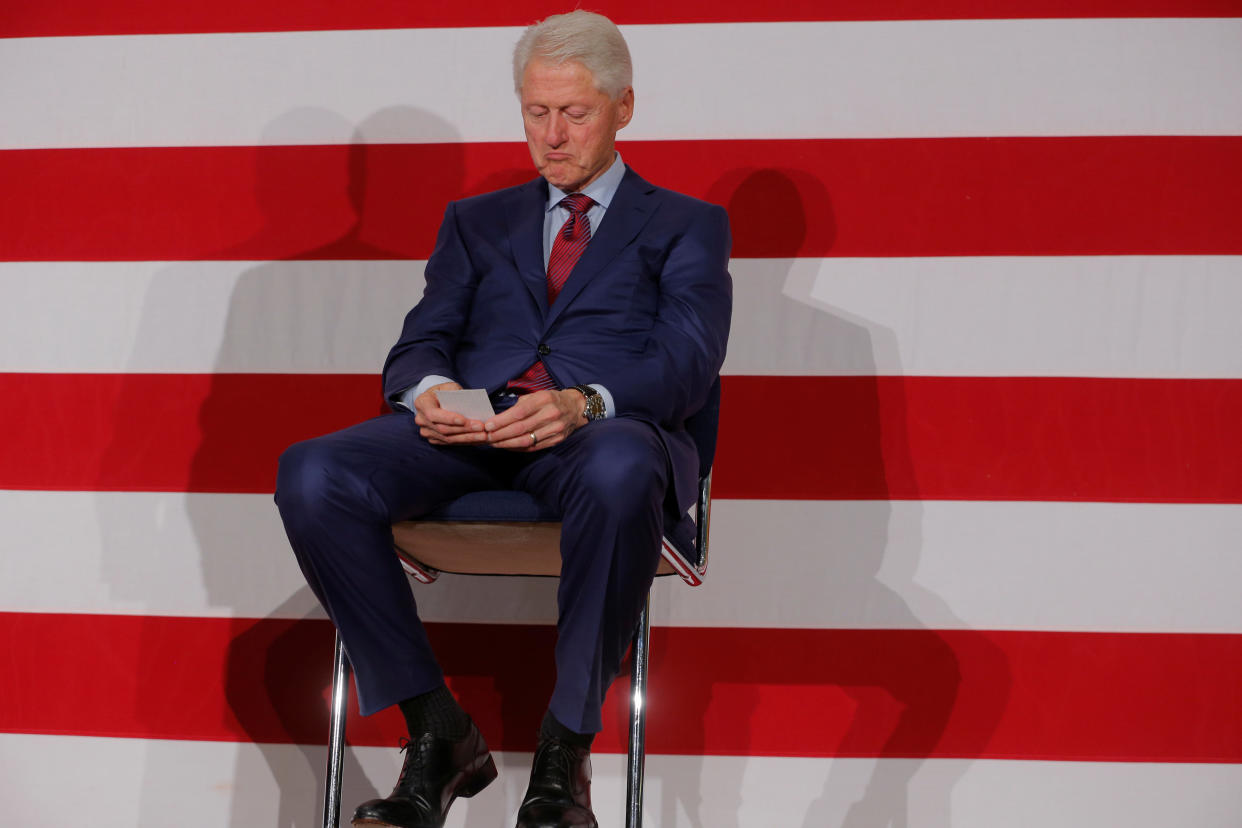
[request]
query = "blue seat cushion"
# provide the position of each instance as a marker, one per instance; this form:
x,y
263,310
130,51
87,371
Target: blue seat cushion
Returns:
x,y
502,505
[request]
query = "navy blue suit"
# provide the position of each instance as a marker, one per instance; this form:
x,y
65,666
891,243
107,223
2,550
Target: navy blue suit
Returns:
x,y
645,313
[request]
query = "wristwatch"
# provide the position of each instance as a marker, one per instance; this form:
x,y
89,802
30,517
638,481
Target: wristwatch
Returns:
x,y
594,402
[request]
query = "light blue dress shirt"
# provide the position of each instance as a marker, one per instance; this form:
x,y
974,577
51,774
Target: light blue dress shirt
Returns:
x,y
601,191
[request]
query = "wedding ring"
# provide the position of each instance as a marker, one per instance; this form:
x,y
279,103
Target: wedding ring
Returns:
x,y
533,439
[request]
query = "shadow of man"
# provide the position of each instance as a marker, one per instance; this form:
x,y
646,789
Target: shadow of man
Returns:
x,y
894,703
328,297
382,183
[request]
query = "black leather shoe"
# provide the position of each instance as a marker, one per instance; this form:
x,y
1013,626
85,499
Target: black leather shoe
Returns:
x,y
436,771
559,793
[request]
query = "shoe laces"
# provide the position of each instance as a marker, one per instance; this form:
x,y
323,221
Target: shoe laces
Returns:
x,y
413,763
561,757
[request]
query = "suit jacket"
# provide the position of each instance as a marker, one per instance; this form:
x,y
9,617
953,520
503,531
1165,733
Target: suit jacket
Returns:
x,y
645,312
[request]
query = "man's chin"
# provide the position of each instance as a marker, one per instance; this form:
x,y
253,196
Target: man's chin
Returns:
x,y
561,177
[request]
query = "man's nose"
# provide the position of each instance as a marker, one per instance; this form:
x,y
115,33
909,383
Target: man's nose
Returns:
x,y
557,133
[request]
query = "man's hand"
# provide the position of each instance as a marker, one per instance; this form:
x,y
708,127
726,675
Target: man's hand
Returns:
x,y
537,420
442,427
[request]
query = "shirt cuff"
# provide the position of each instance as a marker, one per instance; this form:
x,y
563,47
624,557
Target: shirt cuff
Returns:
x,y
609,408
406,400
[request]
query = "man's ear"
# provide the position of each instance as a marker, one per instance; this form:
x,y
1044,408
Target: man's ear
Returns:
x,y
626,106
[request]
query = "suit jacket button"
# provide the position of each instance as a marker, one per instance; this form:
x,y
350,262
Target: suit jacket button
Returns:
x,y
544,350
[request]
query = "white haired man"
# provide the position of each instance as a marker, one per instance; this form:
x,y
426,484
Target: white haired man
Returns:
x,y
594,308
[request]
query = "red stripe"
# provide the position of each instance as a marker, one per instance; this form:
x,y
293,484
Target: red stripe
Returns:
x,y
894,693
989,438
892,197
93,17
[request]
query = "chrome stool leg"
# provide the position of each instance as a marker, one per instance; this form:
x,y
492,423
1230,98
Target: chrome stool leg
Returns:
x,y
336,737
638,721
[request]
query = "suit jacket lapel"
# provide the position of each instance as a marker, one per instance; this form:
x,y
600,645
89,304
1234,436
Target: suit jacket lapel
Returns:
x,y
626,216
524,216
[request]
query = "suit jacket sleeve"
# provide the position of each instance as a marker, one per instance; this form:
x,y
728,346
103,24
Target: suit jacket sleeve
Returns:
x,y
433,327
685,348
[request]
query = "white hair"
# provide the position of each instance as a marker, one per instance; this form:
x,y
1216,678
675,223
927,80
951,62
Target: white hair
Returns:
x,y
586,37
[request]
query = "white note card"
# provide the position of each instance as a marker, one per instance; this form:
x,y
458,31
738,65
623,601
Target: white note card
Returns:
x,y
470,402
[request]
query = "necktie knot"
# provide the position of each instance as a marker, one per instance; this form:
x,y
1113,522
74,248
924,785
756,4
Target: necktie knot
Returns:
x,y
577,223
577,203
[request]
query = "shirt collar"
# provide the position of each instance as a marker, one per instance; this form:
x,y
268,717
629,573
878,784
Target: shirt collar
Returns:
x,y
601,190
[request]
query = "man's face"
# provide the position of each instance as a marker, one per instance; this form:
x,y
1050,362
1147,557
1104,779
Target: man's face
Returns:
x,y
571,127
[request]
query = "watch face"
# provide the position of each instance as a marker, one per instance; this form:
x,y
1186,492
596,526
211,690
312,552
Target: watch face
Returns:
x,y
594,403
595,406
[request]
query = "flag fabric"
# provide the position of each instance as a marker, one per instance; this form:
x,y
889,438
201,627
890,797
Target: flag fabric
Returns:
x,y
978,498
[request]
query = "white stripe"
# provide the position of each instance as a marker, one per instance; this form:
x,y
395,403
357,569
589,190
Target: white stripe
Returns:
x,y
125,783
846,564
202,317
736,80
1109,316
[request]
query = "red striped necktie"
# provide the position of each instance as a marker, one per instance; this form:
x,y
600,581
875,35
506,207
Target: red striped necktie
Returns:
x,y
571,240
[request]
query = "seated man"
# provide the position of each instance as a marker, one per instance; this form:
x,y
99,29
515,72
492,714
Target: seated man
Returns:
x,y
594,309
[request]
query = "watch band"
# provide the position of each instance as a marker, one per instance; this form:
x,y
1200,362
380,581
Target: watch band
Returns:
x,y
594,403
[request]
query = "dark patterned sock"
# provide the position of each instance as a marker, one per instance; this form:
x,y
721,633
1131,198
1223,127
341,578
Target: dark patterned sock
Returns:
x,y
435,712
553,729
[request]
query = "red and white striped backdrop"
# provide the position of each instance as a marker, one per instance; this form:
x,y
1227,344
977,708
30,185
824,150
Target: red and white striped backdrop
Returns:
x,y
985,572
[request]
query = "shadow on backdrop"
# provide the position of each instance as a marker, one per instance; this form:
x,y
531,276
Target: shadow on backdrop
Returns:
x,y
287,666
306,305
902,698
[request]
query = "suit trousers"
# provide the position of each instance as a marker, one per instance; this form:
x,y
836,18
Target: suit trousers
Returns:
x,y
339,494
